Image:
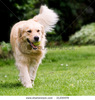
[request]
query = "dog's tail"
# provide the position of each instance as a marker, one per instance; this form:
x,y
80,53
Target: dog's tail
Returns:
x,y
47,17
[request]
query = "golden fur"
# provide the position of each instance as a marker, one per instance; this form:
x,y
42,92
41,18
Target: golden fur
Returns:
x,y
27,59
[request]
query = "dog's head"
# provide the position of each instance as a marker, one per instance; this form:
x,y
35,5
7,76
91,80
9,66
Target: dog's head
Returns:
x,y
31,32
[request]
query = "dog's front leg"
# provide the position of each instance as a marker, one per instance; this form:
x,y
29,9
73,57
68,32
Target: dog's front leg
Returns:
x,y
24,76
32,73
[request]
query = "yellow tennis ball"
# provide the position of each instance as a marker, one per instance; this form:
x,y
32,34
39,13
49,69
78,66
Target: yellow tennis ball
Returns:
x,y
36,43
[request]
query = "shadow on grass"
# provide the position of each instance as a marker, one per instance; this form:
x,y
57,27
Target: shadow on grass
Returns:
x,y
10,85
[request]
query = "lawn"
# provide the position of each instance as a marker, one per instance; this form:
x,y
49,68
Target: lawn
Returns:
x,y
65,71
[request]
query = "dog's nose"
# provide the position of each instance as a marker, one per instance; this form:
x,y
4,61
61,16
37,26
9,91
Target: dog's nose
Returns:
x,y
36,38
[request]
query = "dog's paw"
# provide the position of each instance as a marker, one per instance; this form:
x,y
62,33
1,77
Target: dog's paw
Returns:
x,y
29,86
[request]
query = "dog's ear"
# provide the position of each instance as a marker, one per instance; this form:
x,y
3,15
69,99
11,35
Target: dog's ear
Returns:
x,y
20,32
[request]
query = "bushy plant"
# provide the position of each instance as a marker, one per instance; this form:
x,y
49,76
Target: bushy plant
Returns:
x,y
5,50
86,35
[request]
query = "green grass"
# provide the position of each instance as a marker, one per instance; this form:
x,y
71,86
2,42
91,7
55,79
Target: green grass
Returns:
x,y
65,71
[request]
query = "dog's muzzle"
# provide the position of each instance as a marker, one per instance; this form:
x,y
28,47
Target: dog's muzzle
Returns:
x,y
31,44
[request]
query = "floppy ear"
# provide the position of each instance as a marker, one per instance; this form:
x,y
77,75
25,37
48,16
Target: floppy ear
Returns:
x,y
20,32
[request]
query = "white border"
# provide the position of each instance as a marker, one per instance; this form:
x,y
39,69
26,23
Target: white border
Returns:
x,y
47,97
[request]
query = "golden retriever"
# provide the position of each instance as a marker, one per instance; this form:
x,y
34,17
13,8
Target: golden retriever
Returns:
x,y
23,35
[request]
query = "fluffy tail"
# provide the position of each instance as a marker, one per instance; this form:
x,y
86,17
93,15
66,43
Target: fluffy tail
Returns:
x,y
47,17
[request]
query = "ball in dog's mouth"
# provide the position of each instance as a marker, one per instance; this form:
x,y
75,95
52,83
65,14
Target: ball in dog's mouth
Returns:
x,y
34,44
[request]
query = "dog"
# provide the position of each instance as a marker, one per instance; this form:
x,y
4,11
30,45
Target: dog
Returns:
x,y
22,38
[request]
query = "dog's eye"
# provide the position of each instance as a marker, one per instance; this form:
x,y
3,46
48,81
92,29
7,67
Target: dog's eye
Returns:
x,y
38,30
29,31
